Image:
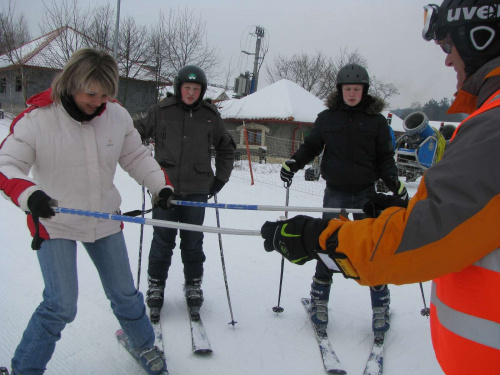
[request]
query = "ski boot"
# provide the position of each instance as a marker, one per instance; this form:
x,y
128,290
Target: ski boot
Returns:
x,y
381,299
194,296
320,293
154,298
153,361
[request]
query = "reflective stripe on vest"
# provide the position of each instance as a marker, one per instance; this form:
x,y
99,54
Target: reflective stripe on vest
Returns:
x,y
465,318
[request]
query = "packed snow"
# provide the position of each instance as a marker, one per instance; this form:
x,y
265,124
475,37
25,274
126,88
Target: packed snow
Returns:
x,y
261,342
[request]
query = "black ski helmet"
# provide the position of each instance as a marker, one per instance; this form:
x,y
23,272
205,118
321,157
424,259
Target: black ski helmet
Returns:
x,y
353,74
473,25
192,74
447,131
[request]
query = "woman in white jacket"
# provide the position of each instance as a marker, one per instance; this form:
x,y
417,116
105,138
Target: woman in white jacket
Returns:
x,y
72,137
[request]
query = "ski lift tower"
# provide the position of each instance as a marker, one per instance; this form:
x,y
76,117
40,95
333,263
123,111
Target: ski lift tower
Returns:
x,y
259,33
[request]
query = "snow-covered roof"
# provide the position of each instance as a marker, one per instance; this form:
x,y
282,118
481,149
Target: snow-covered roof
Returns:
x,y
45,52
282,101
396,122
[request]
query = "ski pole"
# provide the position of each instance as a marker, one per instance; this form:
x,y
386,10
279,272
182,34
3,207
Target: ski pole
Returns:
x,y
155,222
224,265
425,311
253,207
141,238
278,309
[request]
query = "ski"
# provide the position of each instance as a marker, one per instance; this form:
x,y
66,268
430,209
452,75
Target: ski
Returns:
x,y
374,365
199,337
122,339
4,371
330,360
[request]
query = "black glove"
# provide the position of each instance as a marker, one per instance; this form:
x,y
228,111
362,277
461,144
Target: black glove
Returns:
x,y
288,169
163,198
39,204
296,239
217,186
379,202
398,188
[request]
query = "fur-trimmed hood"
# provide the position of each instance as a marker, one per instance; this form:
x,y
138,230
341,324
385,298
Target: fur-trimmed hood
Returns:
x,y
371,105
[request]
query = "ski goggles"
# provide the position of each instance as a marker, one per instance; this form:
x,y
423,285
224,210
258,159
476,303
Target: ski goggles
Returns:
x,y
430,22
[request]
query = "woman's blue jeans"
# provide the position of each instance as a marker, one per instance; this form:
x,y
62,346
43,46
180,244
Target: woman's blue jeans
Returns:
x,y
58,263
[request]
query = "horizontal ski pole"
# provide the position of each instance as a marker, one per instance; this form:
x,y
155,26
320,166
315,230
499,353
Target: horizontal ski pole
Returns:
x,y
156,223
252,207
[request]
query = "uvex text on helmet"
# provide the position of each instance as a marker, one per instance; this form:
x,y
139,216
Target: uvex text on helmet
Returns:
x,y
473,25
190,74
353,74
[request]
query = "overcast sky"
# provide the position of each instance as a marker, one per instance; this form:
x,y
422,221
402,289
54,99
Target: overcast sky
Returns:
x,y
387,33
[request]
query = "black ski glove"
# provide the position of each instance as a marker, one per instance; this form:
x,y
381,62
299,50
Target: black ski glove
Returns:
x,y
296,239
288,169
379,202
398,188
217,186
163,198
40,204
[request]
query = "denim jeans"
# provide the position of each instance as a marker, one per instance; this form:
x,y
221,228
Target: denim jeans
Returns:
x,y
340,199
163,244
58,263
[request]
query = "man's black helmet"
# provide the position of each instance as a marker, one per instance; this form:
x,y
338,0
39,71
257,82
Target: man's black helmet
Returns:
x,y
190,74
473,25
447,131
353,74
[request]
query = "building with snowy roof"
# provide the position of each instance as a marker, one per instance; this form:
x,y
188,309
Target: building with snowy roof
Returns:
x,y
31,68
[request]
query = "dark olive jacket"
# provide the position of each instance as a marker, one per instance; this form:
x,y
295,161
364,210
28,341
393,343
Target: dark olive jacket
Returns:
x,y
357,144
184,138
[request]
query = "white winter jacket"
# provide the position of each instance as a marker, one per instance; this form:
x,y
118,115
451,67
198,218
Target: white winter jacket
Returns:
x,y
74,163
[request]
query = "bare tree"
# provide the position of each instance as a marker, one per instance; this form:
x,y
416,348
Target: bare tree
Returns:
x,y
317,74
158,37
133,49
302,69
100,27
187,44
381,89
13,35
61,15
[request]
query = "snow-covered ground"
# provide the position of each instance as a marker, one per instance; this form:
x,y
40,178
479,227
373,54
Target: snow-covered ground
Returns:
x,y
262,342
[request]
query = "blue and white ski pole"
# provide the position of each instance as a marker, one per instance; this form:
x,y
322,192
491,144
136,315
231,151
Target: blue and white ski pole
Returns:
x,y
155,222
254,207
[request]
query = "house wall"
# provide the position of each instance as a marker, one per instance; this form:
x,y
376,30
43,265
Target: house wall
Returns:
x,y
276,138
140,95
12,100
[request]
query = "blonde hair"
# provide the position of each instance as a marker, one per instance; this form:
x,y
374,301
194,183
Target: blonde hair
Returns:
x,y
85,68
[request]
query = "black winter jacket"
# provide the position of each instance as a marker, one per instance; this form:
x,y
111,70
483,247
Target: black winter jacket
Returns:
x,y
183,139
357,144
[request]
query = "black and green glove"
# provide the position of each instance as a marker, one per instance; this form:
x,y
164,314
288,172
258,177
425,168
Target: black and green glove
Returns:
x,y
288,170
297,239
379,202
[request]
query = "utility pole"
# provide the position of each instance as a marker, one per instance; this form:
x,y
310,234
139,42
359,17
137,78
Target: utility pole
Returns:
x,y
259,33
117,29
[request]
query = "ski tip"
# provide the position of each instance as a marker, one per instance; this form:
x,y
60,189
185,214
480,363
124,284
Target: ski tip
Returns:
x,y
337,372
203,351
